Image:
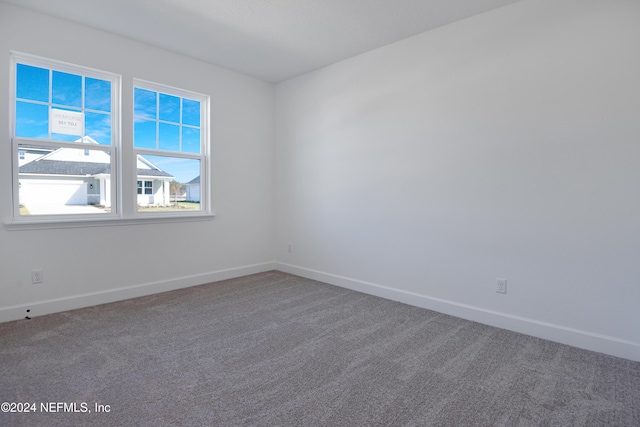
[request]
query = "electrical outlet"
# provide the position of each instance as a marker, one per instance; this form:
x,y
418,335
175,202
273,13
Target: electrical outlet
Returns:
x,y
36,276
501,286
290,248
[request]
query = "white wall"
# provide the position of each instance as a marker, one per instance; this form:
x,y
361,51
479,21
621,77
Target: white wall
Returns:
x,y
84,266
505,145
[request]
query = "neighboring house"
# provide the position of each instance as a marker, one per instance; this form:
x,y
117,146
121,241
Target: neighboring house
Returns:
x,y
71,176
193,189
28,153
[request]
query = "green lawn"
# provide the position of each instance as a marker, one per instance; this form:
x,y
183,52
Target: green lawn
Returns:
x,y
176,206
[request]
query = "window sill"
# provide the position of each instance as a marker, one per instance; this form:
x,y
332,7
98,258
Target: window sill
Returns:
x,y
46,224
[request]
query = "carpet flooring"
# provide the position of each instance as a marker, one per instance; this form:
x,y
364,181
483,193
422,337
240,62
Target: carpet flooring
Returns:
x,y
274,349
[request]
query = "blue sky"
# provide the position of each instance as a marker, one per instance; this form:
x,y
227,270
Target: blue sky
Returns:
x,y
183,169
161,121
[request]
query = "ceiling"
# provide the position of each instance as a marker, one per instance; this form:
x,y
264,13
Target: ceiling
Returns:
x,y
272,40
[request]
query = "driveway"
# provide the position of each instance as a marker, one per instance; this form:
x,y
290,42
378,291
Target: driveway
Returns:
x,y
63,209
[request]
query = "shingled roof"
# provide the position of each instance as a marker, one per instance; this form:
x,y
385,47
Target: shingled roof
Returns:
x,y
57,167
153,172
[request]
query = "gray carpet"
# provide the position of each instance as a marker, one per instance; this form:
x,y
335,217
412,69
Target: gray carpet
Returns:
x,y
276,350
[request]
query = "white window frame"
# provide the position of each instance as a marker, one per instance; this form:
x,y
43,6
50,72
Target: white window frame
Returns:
x,y
123,212
114,148
203,156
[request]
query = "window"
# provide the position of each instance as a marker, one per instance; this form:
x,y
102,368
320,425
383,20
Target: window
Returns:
x,y
145,187
67,152
169,139
64,145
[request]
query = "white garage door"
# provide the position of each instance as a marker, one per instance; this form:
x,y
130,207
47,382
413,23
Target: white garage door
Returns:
x,y
53,192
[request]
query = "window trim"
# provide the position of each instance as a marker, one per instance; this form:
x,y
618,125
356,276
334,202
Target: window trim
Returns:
x,y
122,212
114,148
203,156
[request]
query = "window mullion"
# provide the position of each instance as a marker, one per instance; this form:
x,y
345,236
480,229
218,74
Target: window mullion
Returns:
x,y
50,100
157,120
180,125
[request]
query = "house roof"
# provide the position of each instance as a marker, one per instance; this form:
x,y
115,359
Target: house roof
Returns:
x,y
195,180
153,172
57,167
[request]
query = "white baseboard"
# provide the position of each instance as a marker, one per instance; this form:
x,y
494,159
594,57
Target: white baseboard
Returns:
x,y
570,336
557,333
57,305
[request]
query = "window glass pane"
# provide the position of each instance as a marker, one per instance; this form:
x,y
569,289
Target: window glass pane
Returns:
x,y
66,181
32,120
176,184
144,103
64,137
190,112
32,83
66,89
190,140
65,119
97,126
178,122
144,133
169,108
169,137
97,94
